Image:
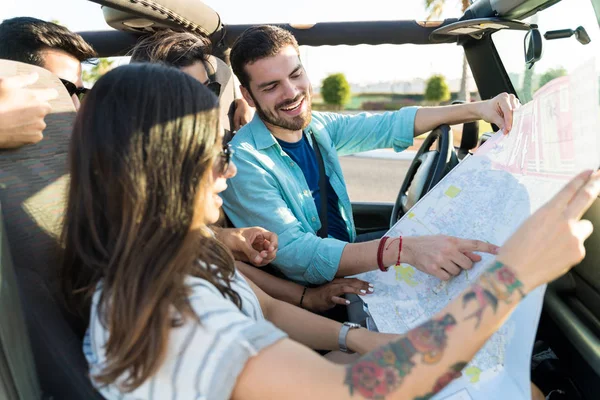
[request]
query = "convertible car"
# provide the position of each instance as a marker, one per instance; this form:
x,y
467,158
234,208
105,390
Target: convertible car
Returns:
x,y
41,346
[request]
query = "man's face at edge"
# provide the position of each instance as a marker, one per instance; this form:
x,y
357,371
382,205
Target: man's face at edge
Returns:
x,y
280,90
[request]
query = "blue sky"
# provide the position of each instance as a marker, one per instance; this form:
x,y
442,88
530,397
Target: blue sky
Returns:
x,y
361,64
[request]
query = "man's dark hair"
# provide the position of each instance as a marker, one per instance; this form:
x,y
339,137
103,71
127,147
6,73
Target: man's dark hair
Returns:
x,y
257,43
24,38
176,49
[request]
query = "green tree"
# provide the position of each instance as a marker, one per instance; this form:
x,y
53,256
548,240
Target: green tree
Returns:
x,y
435,9
100,68
336,90
551,74
437,89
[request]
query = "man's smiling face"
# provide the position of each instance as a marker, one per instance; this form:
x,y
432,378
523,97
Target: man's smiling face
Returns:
x,y
280,90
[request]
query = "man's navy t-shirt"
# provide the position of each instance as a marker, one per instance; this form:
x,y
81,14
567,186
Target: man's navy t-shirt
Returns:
x,y
304,155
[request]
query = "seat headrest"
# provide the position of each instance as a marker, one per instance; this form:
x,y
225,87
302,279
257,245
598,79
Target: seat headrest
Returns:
x,y
33,182
222,74
33,178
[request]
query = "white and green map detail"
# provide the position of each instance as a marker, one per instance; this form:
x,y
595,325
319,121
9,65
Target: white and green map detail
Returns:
x,y
465,204
486,197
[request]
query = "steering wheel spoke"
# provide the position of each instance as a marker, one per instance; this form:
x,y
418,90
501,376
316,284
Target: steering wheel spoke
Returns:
x,y
426,170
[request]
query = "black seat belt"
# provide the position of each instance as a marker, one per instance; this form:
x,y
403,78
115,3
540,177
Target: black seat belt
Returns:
x,y
322,188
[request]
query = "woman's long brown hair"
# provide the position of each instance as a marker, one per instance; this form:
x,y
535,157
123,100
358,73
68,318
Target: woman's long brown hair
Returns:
x,y
143,143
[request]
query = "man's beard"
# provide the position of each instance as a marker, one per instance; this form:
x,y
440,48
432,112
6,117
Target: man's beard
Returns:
x,y
297,123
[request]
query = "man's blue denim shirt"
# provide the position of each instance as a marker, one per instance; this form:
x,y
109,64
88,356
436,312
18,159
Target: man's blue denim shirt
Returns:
x,y
270,191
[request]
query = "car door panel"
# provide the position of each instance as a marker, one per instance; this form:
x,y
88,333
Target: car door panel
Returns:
x,y
371,217
571,318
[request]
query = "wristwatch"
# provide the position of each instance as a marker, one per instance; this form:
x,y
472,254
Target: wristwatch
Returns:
x,y
346,326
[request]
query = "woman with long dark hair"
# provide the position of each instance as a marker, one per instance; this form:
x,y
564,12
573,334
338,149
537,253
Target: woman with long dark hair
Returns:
x,y
169,316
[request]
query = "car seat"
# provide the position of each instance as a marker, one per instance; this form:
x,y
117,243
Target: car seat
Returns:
x,y
18,379
33,181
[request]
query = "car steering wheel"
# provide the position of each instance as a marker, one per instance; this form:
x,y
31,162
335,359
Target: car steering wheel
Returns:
x,y
426,170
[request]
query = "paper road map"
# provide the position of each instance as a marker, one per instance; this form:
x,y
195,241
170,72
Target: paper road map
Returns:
x,y
486,197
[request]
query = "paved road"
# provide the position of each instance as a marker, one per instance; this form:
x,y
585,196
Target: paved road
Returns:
x,y
371,179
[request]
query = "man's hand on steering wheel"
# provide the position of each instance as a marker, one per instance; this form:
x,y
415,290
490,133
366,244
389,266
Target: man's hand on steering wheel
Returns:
x,y
443,256
499,111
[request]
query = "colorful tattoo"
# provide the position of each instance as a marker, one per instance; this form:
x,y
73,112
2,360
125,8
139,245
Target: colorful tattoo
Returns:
x,y
498,283
444,380
379,373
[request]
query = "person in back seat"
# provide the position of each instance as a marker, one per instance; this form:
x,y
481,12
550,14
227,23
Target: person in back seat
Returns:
x,y
47,45
189,53
170,317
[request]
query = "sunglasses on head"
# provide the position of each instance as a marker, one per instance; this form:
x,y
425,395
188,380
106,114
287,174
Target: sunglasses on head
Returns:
x,y
225,159
213,86
74,90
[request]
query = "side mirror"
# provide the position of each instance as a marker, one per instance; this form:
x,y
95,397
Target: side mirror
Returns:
x,y
580,34
533,46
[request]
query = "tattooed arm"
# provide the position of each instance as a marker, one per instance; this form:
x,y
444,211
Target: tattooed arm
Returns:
x,y
422,362
436,351
413,366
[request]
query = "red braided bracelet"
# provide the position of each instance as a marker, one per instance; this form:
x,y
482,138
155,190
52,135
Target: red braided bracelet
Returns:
x,y
399,250
381,249
380,253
